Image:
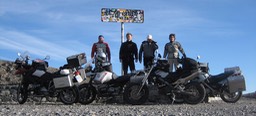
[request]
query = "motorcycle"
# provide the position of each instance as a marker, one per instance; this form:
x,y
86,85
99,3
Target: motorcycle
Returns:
x,y
184,84
228,85
37,82
103,83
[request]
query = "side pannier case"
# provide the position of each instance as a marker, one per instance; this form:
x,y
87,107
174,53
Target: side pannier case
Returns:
x,y
77,60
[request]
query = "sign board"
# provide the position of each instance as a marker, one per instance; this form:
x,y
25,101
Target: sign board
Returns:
x,y
122,15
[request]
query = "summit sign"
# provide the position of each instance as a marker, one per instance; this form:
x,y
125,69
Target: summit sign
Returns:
x,y
122,15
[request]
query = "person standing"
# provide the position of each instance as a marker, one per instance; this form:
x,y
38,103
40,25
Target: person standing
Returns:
x,y
128,53
101,46
171,51
148,48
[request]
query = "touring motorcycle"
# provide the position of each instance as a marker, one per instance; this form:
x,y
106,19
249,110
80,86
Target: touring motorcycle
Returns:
x,y
227,85
103,83
37,82
184,84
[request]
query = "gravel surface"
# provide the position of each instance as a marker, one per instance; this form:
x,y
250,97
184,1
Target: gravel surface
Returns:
x,y
216,108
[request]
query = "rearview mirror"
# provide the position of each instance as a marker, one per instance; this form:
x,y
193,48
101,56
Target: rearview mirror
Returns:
x,y
47,57
198,57
19,54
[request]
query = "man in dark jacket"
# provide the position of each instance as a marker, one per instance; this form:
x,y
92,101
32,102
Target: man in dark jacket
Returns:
x,y
148,49
127,53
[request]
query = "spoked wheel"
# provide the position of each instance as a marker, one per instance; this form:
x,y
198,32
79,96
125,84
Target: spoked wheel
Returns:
x,y
230,97
196,93
22,94
87,94
135,94
68,96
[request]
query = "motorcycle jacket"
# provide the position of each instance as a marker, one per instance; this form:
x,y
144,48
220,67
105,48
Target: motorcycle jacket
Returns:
x,y
128,50
104,46
171,50
148,49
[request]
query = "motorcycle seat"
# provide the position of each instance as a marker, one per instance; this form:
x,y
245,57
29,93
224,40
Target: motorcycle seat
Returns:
x,y
121,80
219,77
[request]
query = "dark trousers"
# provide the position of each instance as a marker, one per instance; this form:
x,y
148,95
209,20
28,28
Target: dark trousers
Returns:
x,y
127,63
148,62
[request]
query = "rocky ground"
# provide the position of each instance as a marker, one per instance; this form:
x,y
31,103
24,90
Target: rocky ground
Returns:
x,y
215,108
7,73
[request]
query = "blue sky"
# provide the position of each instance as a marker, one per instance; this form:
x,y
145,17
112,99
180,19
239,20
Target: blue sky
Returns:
x,y
222,32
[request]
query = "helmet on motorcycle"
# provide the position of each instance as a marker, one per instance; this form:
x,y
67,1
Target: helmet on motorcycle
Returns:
x,y
101,57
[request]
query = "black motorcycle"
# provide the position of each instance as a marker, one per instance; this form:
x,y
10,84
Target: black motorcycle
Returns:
x,y
184,84
37,82
227,85
102,83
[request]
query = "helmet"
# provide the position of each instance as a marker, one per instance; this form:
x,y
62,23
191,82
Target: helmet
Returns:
x,y
150,37
101,57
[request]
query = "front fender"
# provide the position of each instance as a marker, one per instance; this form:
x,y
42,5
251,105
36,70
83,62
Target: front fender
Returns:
x,y
138,77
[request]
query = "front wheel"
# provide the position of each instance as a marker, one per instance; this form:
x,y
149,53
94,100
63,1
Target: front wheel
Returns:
x,y
135,94
22,94
231,97
87,94
196,93
68,96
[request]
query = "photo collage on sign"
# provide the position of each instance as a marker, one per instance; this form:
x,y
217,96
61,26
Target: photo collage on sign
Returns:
x,y
122,15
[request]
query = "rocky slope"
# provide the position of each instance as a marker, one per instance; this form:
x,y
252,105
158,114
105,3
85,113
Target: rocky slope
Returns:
x,y
7,70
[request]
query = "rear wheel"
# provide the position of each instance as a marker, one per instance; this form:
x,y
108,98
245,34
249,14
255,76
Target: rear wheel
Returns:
x,y
68,96
230,97
22,94
87,94
134,94
196,93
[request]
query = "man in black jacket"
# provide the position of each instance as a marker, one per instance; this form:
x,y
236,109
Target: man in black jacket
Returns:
x,y
127,53
148,49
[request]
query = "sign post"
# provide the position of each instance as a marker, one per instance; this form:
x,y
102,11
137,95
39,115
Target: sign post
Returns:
x,y
122,16
122,32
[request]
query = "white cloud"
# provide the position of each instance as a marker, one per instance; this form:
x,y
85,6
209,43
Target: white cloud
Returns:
x,y
19,41
20,7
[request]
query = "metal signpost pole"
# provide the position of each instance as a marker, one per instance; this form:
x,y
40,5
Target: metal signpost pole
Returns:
x,y
122,41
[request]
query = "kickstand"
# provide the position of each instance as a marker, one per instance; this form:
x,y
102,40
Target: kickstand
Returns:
x,y
40,102
97,99
173,98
